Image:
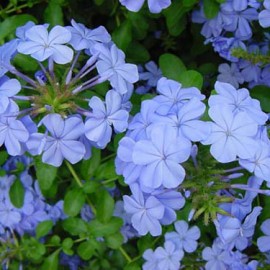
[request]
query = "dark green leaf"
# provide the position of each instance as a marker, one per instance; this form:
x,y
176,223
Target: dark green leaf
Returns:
x,y
86,250
16,193
74,201
191,78
132,266
97,228
105,206
115,240
171,66
3,157
10,24
51,262
90,187
43,228
122,35
262,93
210,8
137,53
53,14
45,173
25,62
106,170
89,166
75,226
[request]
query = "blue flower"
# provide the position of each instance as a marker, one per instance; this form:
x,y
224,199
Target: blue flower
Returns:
x,y
216,257
172,95
184,238
263,242
146,213
231,135
161,156
152,75
8,89
84,38
42,45
12,131
63,142
98,126
264,15
230,74
155,6
111,64
238,101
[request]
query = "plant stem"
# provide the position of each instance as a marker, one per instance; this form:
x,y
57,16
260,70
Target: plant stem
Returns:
x,y
125,255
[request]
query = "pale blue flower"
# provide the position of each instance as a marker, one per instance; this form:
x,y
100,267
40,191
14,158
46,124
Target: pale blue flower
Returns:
x,y
84,38
155,6
63,142
231,135
41,44
161,156
111,64
146,213
104,116
263,242
183,237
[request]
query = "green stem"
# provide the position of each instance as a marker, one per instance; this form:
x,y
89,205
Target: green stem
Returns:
x,y
74,174
125,255
80,184
109,181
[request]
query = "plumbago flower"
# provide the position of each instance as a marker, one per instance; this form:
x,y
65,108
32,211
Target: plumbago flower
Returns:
x,y
51,121
155,6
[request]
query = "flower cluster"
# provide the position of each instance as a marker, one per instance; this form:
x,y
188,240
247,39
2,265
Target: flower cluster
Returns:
x,y
229,32
50,115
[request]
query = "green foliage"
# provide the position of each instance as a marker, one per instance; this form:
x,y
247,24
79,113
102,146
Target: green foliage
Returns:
x,y
88,167
171,66
191,78
46,174
16,193
53,13
210,8
74,201
262,93
10,24
43,228
122,35
75,226
52,261
105,206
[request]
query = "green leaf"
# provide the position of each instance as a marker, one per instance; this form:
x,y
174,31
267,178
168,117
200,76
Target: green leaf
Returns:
x,y
171,66
132,266
86,250
3,157
52,261
25,62
262,93
43,228
139,25
16,193
67,243
99,2
115,240
89,166
90,187
210,8
75,226
97,228
106,170
105,206
74,201
137,53
189,3
175,17
10,24
53,14
191,78
122,35
45,173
